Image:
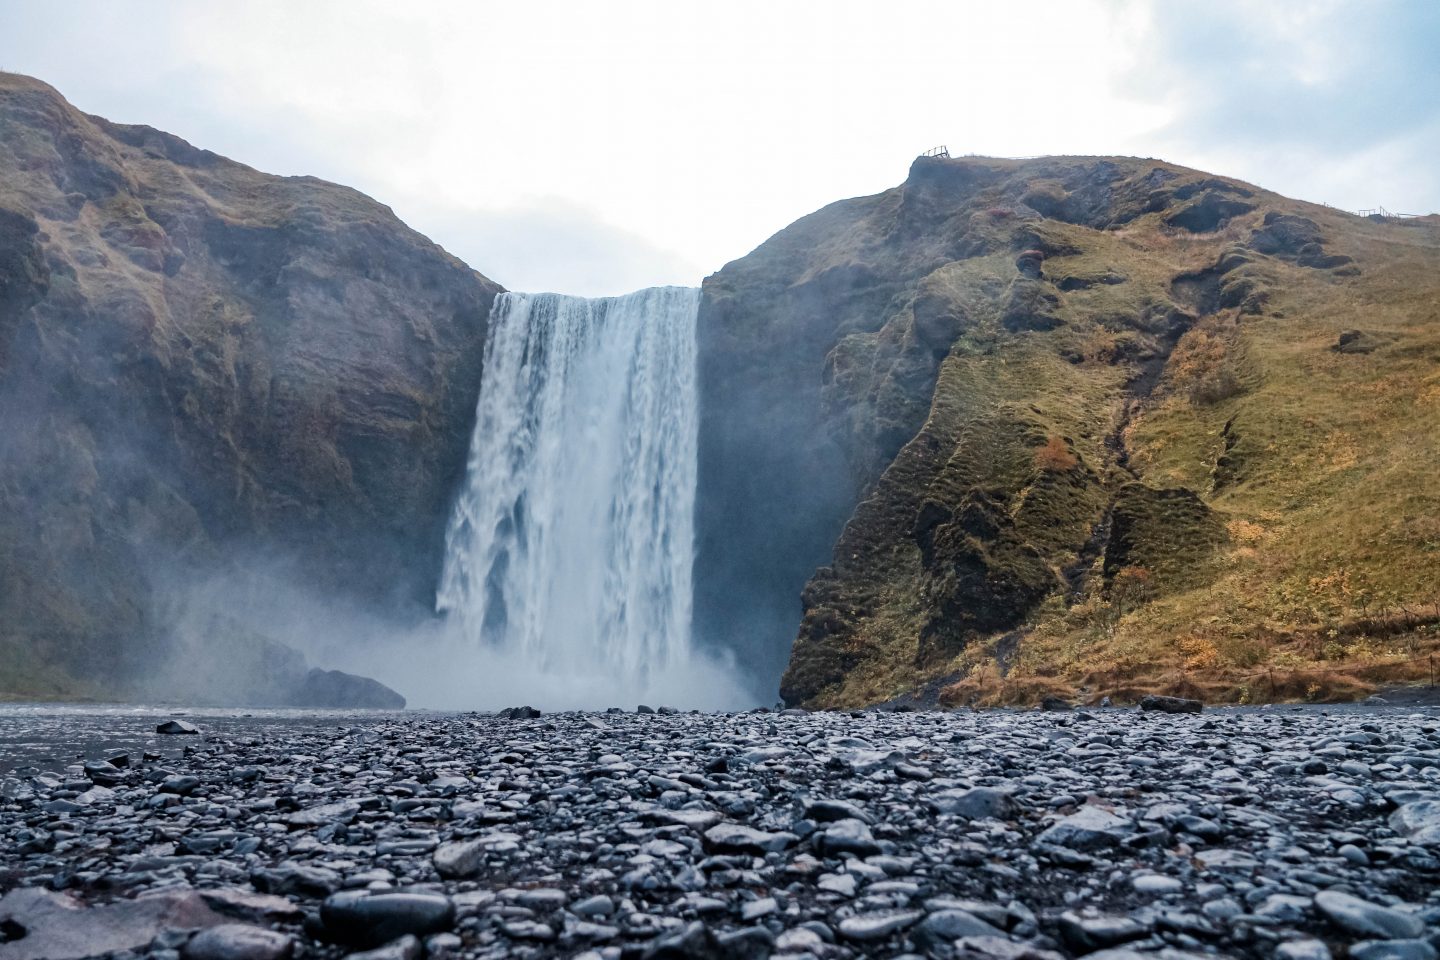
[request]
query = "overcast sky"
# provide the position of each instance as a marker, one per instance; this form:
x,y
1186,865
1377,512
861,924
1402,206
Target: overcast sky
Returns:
x,y
596,147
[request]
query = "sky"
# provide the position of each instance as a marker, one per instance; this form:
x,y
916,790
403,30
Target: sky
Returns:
x,y
598,147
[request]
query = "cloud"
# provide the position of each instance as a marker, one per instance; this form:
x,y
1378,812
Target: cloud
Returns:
x,y
1323,100
550,142
528,247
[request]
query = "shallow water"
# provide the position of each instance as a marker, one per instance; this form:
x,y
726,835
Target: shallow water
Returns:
x,y
51,736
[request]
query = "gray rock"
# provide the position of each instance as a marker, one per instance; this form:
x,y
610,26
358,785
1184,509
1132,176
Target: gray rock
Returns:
x,y
948,925
342,811
1309,949
597,906
846,836
1414,949
737,838
877,926
333,690
1420,821
407,947
42,925
1365,919
976,803
238,941
1089,828
248,905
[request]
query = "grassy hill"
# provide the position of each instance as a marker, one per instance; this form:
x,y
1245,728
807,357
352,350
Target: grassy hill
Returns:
x,y
1160,431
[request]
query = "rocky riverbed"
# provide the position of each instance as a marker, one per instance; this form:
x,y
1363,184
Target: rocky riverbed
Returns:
x,y
1289,833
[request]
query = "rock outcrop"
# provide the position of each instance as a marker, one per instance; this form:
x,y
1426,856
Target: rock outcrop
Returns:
x,y
201,361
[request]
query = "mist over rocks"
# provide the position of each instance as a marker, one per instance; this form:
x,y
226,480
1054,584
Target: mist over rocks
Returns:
x,y
207,372
1102,833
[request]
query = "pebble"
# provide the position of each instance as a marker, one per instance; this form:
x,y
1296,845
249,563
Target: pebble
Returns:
x,y
1367,919
368,920
1037,835
237,941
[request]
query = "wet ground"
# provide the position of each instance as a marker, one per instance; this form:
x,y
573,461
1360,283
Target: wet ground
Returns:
x,y
1293,832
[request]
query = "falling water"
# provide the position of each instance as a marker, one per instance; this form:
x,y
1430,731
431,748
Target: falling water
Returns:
x,y
571,546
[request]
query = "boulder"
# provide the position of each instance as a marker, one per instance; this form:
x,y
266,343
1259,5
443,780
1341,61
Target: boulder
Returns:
x,y
1171,704
334,690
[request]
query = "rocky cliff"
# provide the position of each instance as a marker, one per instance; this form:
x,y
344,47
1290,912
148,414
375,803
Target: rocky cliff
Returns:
x,y
1073,425
198,362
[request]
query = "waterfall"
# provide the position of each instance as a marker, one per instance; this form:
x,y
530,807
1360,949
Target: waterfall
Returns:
x,y
570,550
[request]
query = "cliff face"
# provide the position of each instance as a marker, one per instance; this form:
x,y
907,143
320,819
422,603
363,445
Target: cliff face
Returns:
x,y
1070,425
200,361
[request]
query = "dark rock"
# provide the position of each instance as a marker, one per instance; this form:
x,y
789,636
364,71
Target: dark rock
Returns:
x,y
1030,263
290,878
829,811
333,690
737,838
371,919
1055,704
1171,704
1087,934
236,941
1210,212
520,713
1361,342
176,727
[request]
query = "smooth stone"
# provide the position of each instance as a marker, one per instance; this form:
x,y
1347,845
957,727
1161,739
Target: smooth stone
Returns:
x,y
1302,950
1156,884
846,836
947,926
877,926
341,810
976,803
238,941
1086,934
756,909
597,906
829,811
1413,949
1366,919
737,838
369,920
407,947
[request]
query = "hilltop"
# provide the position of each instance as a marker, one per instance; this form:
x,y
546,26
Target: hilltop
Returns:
x,y
1079,426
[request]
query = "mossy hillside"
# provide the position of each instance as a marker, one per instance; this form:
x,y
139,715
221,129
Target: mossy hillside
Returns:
x,y
1144,296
